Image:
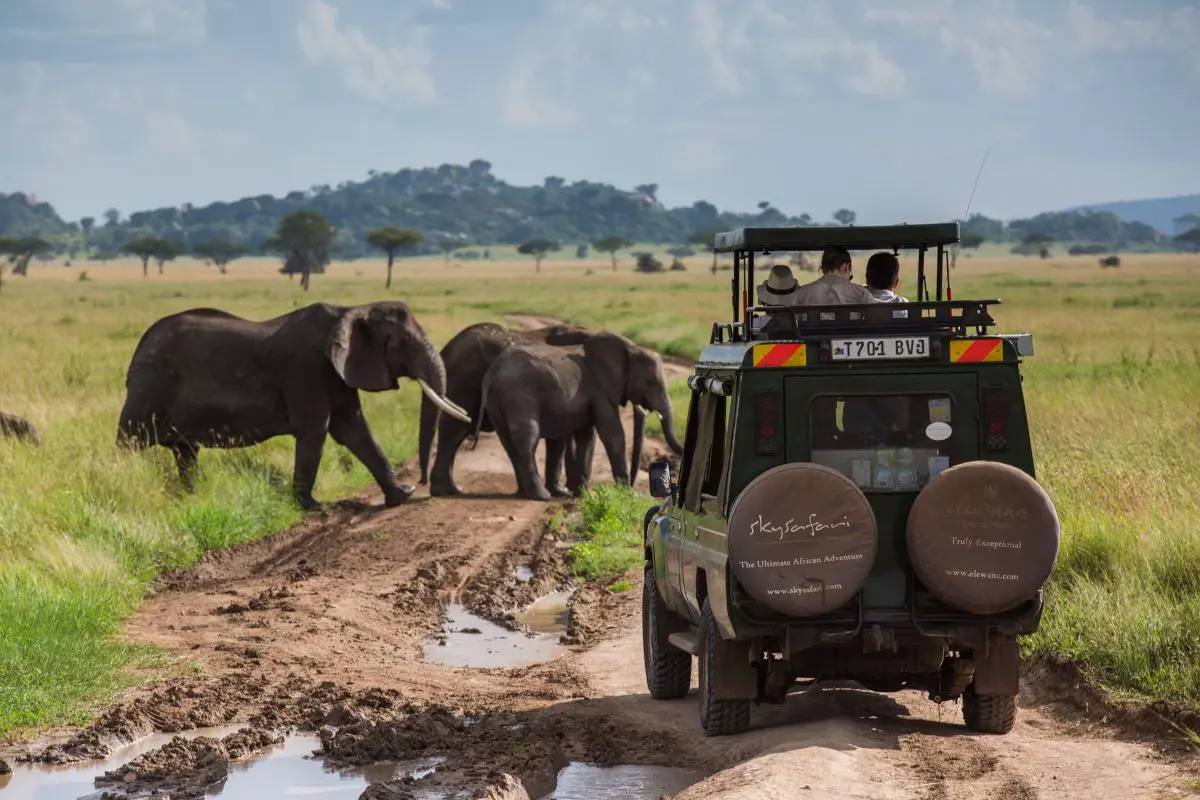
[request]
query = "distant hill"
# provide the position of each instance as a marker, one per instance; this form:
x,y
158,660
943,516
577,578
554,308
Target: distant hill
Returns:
x,y
469,205
1159,212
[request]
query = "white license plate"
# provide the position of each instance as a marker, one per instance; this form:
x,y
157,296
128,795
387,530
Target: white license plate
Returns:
x,y
880,348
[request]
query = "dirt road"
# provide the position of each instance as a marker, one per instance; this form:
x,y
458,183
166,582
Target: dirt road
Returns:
x,y
328,628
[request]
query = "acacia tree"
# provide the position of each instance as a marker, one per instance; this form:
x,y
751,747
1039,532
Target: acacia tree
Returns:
x,y
1190,237
220,252
706,238
538,248
844,216
391,239
448,246
168,250
146,248
610,245
22,250
305,238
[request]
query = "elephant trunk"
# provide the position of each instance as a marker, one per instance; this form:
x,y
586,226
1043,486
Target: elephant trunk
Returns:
x,y
639,437
668,427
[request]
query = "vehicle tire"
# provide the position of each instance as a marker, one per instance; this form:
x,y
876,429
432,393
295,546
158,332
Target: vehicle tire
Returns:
x,y
983,537
668,670
988,713
717,717
802,539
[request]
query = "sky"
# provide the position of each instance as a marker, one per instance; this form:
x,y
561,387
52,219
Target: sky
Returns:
x,y
887,107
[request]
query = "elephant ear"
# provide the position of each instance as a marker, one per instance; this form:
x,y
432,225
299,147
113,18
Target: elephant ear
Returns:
x,y
358,359
607,356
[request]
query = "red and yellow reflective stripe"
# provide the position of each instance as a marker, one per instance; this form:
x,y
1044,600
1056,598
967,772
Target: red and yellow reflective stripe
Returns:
x,y
780,355
964,351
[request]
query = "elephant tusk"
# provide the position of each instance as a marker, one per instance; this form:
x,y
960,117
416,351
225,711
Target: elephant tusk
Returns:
x,y
443,403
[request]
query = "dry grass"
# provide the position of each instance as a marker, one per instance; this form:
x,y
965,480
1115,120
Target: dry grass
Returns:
x,y
1112,397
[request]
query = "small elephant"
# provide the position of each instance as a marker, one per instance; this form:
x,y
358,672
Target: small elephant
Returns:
x,y
467,357
535,392
207,378
18,428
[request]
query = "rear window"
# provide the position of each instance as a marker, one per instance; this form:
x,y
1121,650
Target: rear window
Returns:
x,y
884,443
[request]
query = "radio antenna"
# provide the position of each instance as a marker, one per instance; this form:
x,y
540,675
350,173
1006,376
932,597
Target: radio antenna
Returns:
x,y
972,197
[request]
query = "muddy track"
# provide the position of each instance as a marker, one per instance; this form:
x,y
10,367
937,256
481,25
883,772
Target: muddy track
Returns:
x,y
324,628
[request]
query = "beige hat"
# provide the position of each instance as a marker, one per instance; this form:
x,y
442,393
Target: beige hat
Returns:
x,y
779,289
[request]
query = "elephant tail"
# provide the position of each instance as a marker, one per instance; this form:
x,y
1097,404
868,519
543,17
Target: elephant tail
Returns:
x,y
483,398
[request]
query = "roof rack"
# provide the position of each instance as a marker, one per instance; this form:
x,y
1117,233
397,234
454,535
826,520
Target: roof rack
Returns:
x,y
954,316
743,243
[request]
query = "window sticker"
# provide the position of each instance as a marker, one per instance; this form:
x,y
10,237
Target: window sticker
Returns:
x,y
939,410
938,465
885,457
907,478
885,478
905,457
861,467
938,431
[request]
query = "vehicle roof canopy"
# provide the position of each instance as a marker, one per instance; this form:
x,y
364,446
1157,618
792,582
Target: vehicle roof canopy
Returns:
x,y
852,237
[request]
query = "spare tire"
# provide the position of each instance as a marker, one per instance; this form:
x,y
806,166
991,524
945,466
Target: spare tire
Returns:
x,y
801,539
983,537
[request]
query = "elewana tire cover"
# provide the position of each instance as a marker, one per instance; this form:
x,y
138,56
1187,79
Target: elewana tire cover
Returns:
x,y
983,537
801,539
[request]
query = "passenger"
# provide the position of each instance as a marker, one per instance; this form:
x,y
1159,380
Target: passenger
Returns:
x,y
834,287
779,289
883,276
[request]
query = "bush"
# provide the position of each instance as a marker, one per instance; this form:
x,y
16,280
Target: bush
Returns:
x,y
646,262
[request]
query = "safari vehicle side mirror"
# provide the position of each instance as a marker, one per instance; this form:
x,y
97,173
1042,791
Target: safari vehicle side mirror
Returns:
x,y
660,478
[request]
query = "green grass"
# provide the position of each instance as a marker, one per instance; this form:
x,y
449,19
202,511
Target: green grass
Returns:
x,y
85,527
609,527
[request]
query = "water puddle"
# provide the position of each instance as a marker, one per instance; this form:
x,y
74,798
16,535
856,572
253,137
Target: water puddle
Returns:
x,y
285,770
547,614
470,641
524,573
579,781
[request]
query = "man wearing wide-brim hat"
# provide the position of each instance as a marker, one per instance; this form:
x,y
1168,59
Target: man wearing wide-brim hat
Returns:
x,y
779,289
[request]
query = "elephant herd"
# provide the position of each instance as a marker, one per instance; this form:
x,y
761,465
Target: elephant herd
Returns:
x,y
206,378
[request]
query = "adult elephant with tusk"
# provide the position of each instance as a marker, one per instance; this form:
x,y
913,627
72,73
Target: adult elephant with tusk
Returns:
x,y
207,378
535,392
467,357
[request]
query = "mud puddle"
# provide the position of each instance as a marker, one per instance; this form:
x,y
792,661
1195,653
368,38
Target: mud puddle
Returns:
x,y
547,614
468,640
286,769
578,781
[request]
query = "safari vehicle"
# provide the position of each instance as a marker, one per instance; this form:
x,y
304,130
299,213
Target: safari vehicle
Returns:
x,y
856,498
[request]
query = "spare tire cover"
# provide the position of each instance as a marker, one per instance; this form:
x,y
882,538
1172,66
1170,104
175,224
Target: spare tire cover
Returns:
x,y
802,539
983,537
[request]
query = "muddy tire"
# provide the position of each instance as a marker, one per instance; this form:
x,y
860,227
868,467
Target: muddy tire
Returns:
x,y
717,717
668,670
983,537
988,713
802,539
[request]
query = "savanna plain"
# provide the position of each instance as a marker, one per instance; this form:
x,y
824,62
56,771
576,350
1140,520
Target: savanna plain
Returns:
x,y
85,528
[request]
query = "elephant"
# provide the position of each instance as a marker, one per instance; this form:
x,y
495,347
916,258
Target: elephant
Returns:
x,y
18,428
207,378
467,357
535,391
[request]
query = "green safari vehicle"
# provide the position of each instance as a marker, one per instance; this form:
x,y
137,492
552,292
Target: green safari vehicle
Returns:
x,y
856,499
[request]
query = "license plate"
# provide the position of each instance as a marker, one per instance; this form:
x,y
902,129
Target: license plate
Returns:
x,y
881,348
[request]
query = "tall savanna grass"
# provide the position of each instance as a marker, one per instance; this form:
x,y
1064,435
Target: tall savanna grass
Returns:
x,y
84,527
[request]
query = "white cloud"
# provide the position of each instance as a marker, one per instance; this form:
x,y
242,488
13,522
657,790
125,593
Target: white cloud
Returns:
x,y
717,39
171,22
524,105
1177,33
378,73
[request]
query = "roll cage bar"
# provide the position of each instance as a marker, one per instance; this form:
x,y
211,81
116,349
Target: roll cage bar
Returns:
x,y
929,311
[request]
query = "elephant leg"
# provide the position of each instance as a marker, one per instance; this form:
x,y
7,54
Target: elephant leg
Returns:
x,y
450,437
185,461
579,463
612,436
310,444
555,449
349,428
523,439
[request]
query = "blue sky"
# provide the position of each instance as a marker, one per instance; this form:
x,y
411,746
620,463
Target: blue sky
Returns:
x,y
881,106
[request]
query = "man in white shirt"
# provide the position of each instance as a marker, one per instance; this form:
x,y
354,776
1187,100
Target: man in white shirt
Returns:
x,y
834,287
883,276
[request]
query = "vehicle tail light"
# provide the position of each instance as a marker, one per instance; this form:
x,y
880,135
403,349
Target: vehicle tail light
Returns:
x,y
766,421
995,417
